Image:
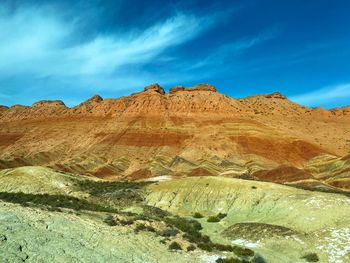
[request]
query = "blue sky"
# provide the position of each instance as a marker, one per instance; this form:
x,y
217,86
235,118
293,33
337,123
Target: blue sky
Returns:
x,y
71,50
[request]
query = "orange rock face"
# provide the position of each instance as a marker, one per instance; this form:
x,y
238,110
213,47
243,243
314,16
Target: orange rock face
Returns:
x,y
188,131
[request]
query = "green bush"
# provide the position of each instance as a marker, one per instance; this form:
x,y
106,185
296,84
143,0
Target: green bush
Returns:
x,y
154,212
189,226
221,215
175,246
206,246
311,257
53,201
142,227
103,187
191,229
213,219
197,215
191,248
230,260
222,247
109,220
169,232
242,251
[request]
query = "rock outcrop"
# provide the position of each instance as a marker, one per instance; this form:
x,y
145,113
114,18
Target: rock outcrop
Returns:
x,y
177,89
3,108
156,88
48,104
199,87
94,99
275,95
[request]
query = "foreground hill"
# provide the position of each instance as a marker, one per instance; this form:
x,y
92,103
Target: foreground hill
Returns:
x,y
188,131
281,223
58,217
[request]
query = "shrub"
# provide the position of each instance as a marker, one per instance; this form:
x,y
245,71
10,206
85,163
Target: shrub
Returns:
x,y
243,251
197,215
311,257
163,241
154,212
213,219
206,246
142,227
229,260
221,215
191,229
254,187
109,220
126,222
189,226
103,187
175,246
169,232
222,247
54,201
191,248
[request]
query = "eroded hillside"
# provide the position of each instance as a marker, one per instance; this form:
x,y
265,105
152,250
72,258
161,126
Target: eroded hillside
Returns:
x,y
186,132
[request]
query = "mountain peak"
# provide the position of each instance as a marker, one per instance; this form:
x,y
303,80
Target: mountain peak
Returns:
x,y
155,88
95,98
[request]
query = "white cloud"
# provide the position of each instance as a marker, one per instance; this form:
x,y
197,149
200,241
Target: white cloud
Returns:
x,y
324,96
36,42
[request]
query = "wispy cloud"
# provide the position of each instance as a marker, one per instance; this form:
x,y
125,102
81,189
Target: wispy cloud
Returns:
x,y
228,50
33,42
43,54
324,96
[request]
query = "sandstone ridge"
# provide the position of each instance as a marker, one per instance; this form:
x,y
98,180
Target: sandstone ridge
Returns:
x,y
187,132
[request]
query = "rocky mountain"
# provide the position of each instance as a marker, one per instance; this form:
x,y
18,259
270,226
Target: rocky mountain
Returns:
x,y
193,131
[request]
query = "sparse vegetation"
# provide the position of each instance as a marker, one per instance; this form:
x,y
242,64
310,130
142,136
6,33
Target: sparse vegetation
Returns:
x,y
154,212
242,251
175,246
113,221
221,215
188,226
213,219
311,257
103,187
229,260
319,189
169,232
143,227
191,229
53,201
118,193
198,215
191,248
109,220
